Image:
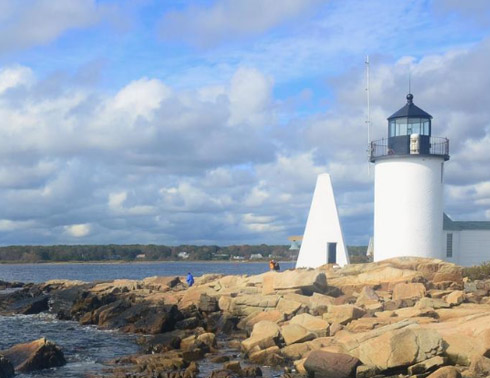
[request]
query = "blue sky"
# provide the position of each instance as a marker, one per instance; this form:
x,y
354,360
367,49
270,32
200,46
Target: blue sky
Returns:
x,y
207,122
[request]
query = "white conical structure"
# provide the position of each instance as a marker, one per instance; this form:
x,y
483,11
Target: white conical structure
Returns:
x,y
323,231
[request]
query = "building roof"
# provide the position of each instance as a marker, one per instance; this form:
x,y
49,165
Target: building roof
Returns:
x,y
410,110
450,225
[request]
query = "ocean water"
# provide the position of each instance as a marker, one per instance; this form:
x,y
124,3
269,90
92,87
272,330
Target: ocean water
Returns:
x,y
86,348
135,271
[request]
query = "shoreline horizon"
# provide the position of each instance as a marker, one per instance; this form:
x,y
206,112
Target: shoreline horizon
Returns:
x,y
115,262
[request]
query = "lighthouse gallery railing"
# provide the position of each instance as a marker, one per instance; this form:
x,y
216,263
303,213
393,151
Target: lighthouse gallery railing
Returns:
x,y
382,148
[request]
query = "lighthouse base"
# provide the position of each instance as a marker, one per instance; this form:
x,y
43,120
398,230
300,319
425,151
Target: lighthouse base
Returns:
x,y
408,207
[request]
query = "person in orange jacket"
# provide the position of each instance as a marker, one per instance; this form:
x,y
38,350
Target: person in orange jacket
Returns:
x,y
272,265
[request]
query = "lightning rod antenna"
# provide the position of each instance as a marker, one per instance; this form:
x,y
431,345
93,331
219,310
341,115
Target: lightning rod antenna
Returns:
x,y
409,80
368,115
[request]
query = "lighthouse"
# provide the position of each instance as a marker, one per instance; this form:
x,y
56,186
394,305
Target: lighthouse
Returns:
x,y
408,186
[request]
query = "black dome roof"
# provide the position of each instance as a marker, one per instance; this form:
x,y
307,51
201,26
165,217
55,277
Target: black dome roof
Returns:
x,y
410,110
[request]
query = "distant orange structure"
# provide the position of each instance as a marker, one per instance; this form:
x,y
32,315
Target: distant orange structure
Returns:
x,y
295,241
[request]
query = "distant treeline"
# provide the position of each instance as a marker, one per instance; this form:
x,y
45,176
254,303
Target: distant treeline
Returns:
x,y
151,252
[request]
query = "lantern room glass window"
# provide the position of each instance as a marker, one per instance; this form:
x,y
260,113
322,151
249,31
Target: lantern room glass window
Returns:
x,y
408,126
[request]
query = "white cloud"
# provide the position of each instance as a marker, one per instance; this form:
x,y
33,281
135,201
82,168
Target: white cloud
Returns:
x,y
140,98
43,21
208,25
7,225
78,230
478,10
261,223
252,218
250,96
116,204
11,77
116,200
258,195
236,160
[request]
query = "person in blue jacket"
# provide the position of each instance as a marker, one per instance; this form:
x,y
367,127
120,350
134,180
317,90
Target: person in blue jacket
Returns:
x,y
190,279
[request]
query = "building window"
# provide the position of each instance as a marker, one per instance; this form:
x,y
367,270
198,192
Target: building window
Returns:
x,y
426,127
392,131
449,245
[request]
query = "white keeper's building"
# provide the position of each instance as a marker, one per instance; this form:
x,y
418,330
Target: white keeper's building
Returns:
x,y
466,242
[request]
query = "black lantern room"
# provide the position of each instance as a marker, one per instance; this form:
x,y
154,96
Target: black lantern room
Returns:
x,y
409,133
409,120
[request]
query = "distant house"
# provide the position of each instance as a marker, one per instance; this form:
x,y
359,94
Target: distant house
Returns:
x,y
183,255
466,242
238,258
141,256
256,256
221,256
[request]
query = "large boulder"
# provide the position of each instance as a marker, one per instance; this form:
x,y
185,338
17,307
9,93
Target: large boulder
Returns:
x,y
85,305
26,300
449,273
408,291
269,356
192,296
163,342
307,280
265,334
244,305
319,303
161,283
343,314
295,351
367,297
31,305
480,366
10,285
117,286
288,307
353,278
432,303
427,366
455,298
413,312
466,335
36,355
229,282
248,322
366,324
138,317
294,333
446,372
108,316
312,323
151,365
299,365
208,303
66,295
325,364
429,268
400,347
298,351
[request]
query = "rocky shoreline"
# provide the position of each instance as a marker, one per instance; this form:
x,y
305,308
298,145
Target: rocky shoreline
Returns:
x,y
407,317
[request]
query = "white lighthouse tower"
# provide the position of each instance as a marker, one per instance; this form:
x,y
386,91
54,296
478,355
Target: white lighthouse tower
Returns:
x,y
408,186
